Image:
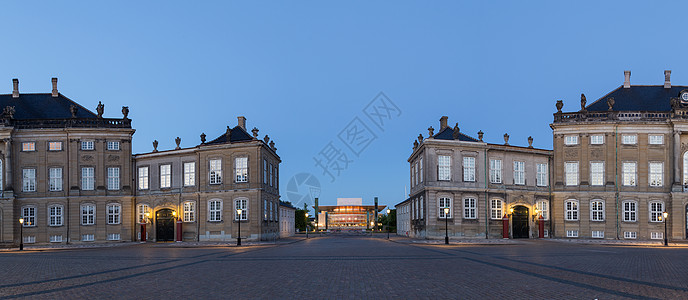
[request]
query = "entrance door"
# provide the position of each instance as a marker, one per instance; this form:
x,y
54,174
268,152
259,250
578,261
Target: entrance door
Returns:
x,y
519,222
164,225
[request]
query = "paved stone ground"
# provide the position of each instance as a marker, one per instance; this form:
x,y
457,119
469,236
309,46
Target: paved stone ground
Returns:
x,y
348,267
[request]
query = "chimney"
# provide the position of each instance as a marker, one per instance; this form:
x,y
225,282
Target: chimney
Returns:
x,y
54,80
15,90
242,122
627,79
443,122
667,79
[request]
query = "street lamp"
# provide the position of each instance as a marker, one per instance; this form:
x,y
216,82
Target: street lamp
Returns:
x,y
239,221
446,225
388,211
306,225
666,241
21,234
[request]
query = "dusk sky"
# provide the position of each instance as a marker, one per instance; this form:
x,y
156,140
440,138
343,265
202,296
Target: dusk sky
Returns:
x,y
302,71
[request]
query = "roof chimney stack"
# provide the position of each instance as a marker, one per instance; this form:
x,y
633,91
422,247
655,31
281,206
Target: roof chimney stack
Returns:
x,y
627,79
242,122
15,89
667,79
54,80
443,123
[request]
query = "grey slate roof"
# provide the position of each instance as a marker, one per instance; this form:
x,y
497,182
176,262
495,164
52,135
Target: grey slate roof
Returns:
x,y
639,98
43,106
237,134
447,134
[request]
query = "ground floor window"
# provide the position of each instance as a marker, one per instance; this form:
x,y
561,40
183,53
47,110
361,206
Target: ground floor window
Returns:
x,y
496,209
469,208
657,235
597,234
572,233
444,203
630,234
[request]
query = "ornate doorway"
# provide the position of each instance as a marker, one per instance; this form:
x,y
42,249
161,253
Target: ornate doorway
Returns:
x,y
164,225
519,223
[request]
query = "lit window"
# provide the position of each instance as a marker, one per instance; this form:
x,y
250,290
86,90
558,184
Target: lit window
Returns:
x,y
112,145
87,178
445,203
656,210
496,209
241,167
495,171
596,210
469,208
143,178
630,211
215,210
141,211
629,173
87,145
571,207
88,214
597,139
113,178
189,211
571,170
656,139
543,209
29,180
55,179
189,174
165,176
55,215
113,213
597,173
656,171
265,210
629,139
469,169
215,175
519,172
29,216
571,140
54,146
541,175
29,146
444,169
243,205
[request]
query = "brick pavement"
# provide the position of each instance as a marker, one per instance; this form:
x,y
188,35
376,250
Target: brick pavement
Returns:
x,y
348,267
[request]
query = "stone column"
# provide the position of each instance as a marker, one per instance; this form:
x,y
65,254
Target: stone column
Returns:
x,y
677,158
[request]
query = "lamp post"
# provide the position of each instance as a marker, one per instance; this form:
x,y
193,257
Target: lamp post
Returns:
x,y
388,211
666,241
306,225
239,223
446,225
21,234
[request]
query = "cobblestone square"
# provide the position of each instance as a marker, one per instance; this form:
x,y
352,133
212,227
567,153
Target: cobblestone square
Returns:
x,y
343,267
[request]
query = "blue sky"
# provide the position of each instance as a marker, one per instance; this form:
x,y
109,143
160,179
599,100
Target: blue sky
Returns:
x,y
301,71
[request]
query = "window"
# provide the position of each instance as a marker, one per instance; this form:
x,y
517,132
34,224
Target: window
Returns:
x,y
241,166
656,210
519,172
543,209
29,216
265,210
141,211
113,237
541,177
422,212
630,234
597,234
87,178
445,203
571,207
165,176
113,213
469,169
87,238
597,210
113,178
629,139
29,180
113,145
265,171
685,169
29,146
55,215
571,170
55,179
214,210
215,175
656,172
572,233
420,173
597,173
143,178
270,177
571,140
496,209
656,235
189,174
88,214
495,171
270,210
656,139
469,208
414,175
629,173
29,239
55,238
189,211
243,205
87,145
444,167
54,146
596,139
630,210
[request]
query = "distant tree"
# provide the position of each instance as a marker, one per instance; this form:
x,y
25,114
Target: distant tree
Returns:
x,y
300,220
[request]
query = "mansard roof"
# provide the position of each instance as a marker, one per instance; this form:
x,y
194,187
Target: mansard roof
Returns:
x,y
638,98
236,134
448,134
43,106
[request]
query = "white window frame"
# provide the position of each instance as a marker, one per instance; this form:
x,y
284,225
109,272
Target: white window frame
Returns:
x,y
597,210
28,146
56,239
28,213
570,140
55,215
265,171
141,211
215,210
88,178
270,169
655,139
469,169
87,238
113,178
29,180
656,174
215,171
597,234
543,209
442,203
597,139
241,169
597,173
189,208
519,173
114,236
630,210
571,233
444,168
87,145
420,172
113,145
88,214
495,171
165,176
243,204
469,208
630,235
571,210
656,235
496,209
571,173
541,177
55,146
143,178
114,213
189,173
55,179
656,209
629,139
629,171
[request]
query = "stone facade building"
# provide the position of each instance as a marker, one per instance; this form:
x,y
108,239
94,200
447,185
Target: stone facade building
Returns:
x,y
478,182
287,221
